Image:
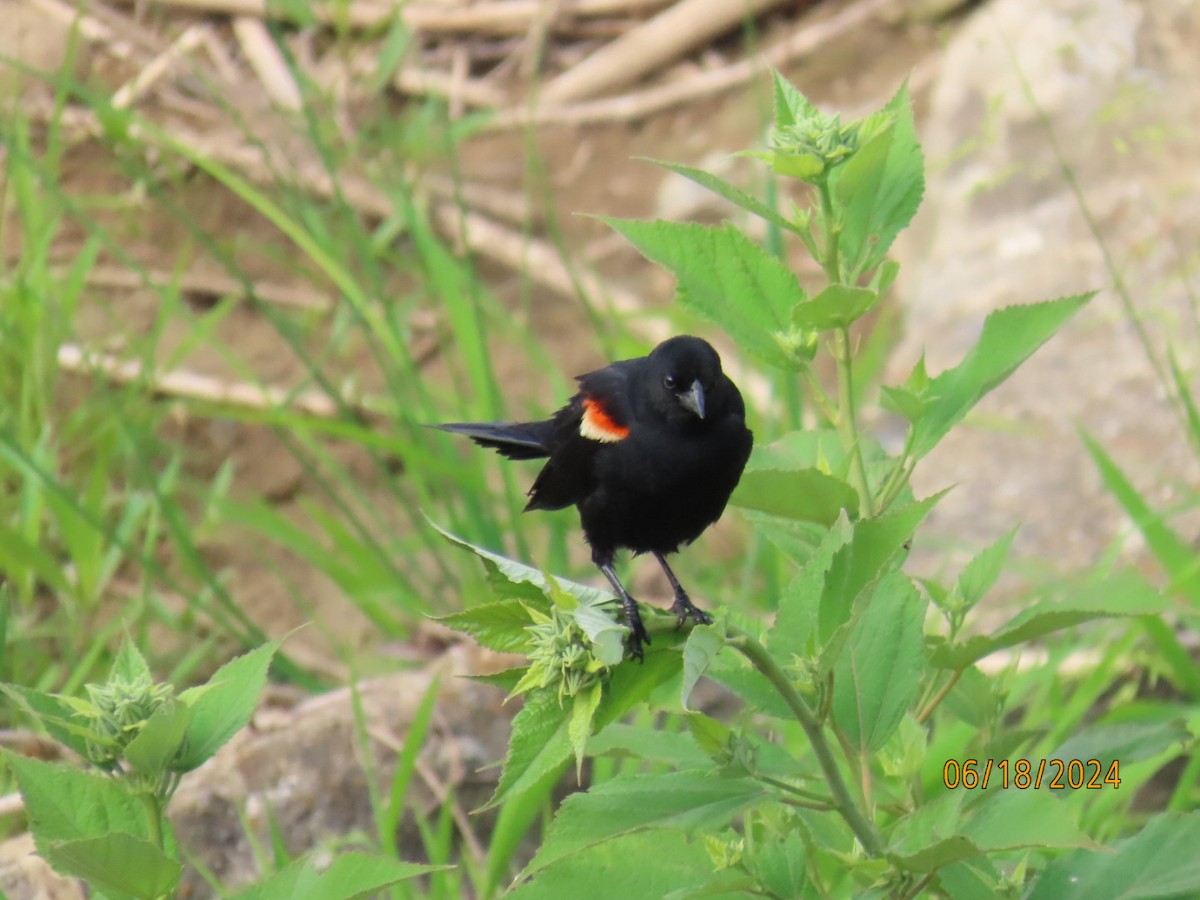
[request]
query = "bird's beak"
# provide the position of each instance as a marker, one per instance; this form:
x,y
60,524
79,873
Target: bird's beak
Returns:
x,y
694,399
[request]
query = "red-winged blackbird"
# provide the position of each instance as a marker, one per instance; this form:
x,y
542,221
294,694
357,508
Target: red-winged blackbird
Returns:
x,y
649,450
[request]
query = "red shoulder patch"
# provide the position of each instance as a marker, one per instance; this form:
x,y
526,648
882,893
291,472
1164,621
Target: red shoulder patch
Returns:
x,y
598,425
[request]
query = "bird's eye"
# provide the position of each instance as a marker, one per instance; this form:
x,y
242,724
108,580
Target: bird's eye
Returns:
x,y
670,383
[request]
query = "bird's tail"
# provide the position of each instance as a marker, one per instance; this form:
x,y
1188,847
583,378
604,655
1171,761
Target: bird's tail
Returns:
x,y
516,440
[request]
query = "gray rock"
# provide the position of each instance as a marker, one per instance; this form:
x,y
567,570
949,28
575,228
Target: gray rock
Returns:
x,y
1119,83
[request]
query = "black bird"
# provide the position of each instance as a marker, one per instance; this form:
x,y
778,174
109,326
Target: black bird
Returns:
x,y
649,450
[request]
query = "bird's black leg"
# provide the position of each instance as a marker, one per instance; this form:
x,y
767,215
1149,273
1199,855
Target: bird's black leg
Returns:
x,y
637,631
683,606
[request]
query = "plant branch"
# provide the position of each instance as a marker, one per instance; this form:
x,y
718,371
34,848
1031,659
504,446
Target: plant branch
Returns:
x,y
758,657
848,424
939,696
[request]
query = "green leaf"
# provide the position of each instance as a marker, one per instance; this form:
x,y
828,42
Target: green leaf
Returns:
x,y
675,749
780,865
66,804
579,726
1179,560
723,188
540,743
119,864
631,866
725,277
606,634
1009,337
835,307
1159,861
799,477
1008,820
702,647
806,495
1124,593
152,751
978,576
129,664
504,572
797,629
350,876
876,544
1128,742
223,706
626,804
998,820
878,189
57,715
790,106
879,673
499,626
744,681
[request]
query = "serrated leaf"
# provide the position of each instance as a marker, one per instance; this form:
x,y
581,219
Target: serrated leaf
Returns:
x,y
540,743
579,726
730,192
627,804
935,836
349,876
159,739
128,664
879,672
1124,593
806,495
1009,337
66,804
117,863
225,705
677,750
710,735
978,576
790,106
55,713
518,573
835,307
702,647
631,867
1002,819
780,865
878,189
797,631
750,685
876,543
499,626
605,633
726,277
1159,861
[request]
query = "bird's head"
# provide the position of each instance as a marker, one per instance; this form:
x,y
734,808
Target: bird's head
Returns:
x,y
683,372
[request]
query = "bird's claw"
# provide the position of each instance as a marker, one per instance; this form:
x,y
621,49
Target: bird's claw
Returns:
x,y
638,636
684,608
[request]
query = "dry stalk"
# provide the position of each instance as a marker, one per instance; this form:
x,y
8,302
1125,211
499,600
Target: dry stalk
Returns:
x,y
639,104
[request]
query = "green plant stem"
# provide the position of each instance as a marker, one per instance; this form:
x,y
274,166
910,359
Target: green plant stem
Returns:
x,y
847,422
945,689
831,262
758,657
153,818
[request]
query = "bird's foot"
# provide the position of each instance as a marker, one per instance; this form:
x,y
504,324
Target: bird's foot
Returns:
x,y
684,608
638,636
